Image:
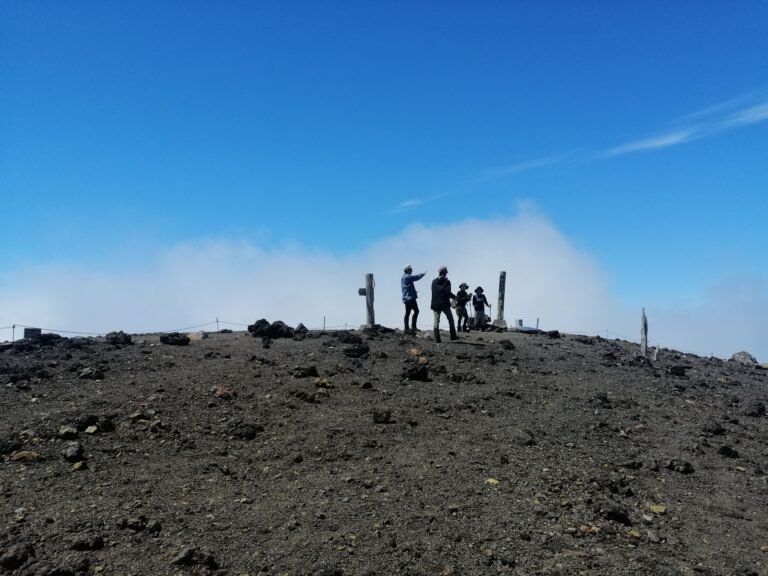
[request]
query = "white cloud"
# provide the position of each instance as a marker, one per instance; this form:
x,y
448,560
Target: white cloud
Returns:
x,y
547,278
656,142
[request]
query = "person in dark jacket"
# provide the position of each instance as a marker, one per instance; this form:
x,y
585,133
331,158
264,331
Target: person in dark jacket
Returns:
x,y
409,297
479,302
462,299
441,302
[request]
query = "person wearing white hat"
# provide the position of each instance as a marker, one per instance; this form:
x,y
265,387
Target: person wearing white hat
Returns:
x,y
409,297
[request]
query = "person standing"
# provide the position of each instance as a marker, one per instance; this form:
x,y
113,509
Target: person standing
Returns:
x,y
479,302
441,302
462,299
409,297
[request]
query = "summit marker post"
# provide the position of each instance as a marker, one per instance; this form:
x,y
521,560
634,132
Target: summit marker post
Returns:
x,y
500,322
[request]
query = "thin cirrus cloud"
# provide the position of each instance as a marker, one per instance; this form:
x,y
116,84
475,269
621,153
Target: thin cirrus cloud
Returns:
x,y
735,113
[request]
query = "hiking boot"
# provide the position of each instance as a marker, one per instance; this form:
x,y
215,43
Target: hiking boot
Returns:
x,y
437,335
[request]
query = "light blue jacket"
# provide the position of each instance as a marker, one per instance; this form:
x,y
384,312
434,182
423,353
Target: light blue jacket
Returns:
x,y
406,284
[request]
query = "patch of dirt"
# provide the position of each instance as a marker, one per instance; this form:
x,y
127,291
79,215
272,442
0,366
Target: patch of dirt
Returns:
x,y
369,453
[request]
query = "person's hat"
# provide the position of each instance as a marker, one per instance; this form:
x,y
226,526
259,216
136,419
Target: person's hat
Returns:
x,y
408,268
463,285
479,289
443,270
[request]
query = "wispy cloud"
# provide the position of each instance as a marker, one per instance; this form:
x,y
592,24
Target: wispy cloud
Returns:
x,y
409,204
654,142
735,113
527,165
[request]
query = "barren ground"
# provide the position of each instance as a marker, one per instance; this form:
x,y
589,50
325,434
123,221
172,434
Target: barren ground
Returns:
x,y
503,453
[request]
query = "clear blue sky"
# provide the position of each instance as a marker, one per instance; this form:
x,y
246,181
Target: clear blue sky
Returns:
x,y
640,129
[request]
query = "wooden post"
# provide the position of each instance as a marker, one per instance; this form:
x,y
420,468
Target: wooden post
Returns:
x,y
500,322
370,318
644,335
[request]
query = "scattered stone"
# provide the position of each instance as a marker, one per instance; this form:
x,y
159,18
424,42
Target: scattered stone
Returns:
x,y
73,452
507,344
553,334
84,543
225,391
16,555
713,428
680,467
382,417
174,339
346,337
195,557
91,429
755,409
263,329
246,431
744,358
137,524
616,513
728,451
419,373
91,374
68,433
357,350
678,371
305,372
24,456
119,338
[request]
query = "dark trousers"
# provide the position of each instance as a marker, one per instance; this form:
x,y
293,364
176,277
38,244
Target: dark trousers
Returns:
x,y
411,306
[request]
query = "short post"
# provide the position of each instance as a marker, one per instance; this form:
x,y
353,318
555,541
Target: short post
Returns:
x,y
370,319
500,322
644,335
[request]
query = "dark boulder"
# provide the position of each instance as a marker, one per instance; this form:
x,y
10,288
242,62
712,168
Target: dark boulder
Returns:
x,y
119,338
174,339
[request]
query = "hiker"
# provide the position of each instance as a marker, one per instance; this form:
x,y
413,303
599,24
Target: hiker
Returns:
x,y
409,297
462,299
441,302
479,302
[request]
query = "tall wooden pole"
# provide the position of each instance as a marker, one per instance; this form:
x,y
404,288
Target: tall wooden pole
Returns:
x,y
500,322
644,335
370,319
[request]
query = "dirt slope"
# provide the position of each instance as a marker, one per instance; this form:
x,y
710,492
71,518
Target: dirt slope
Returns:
x,y
361,454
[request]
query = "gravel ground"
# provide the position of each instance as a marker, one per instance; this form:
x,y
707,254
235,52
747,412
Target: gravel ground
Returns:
x,y
362,453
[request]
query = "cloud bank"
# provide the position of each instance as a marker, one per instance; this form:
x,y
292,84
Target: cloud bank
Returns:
x,y
547,278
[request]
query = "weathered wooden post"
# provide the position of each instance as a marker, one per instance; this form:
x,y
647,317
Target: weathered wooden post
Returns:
x,y
644,336
370,319
500,322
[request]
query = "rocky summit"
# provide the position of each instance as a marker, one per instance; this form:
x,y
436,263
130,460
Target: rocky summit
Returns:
x,y
374,453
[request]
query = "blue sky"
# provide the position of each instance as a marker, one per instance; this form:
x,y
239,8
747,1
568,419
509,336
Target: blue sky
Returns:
x,y
636,132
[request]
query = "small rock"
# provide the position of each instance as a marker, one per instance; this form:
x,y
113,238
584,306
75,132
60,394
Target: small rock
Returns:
x,y
744,358
755,410
73,452
174,339
225,391
24,456
728,451
382,417
91,374
16,555
119,338
68,433
616,513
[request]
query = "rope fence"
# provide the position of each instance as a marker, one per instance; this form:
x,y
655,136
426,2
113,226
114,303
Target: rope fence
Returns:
x,y
217,323
609,334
